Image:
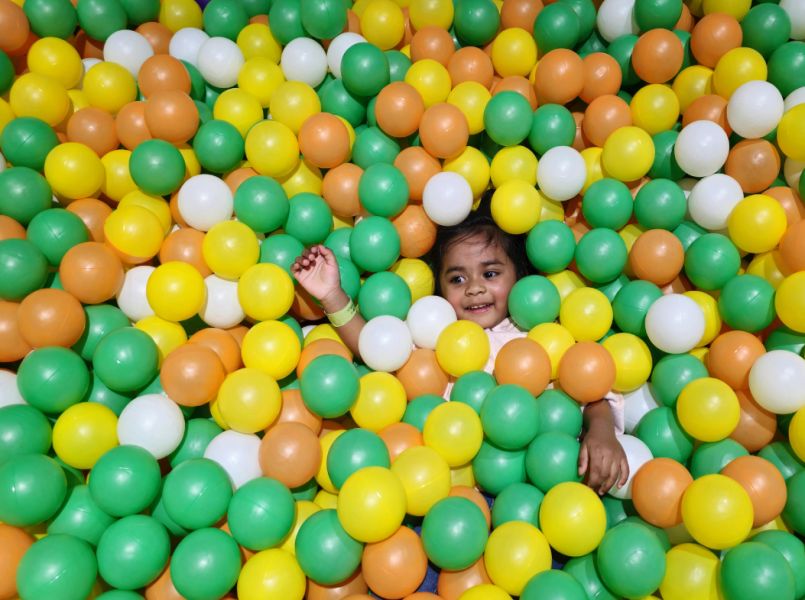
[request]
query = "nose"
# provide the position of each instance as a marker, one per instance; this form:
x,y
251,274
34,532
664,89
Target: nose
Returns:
x,y
475,287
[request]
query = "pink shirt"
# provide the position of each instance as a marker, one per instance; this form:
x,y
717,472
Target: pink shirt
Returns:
x,y
506,331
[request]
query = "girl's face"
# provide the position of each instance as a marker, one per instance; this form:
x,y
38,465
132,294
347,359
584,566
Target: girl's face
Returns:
x,y
476,279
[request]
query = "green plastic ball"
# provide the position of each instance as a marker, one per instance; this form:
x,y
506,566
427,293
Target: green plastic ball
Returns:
x,y
51,18
621,50
508,118
418,410
329,386
687,233
80,517
132,552
711,261
476,22
659,429
69,557
338,242
140,11
383,190
552,458
754,570
353,450
601,255
198,434
101,320
324,19
261,513
24,193
32,488
533,300
399,64
787,67
710,457
657,14
631,560
218,146
125,481
196,493
281,249
553,584
792,549
551,125
472,389
384,293
225,18
310,219
325,552
607,203
747,303
518,502
52,379
765,28
372,146
6,75
23,430
337,100
364,70
583,569
660,204
157,167
631,305
262,204
26,142
550,246
126,359
101,18
496,469
454,533
558,413
510,417
782,456
556,26
665,165
374,244
205,564
54,231
285,20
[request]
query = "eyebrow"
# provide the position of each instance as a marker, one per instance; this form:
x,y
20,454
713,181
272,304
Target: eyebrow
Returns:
x,y
486,263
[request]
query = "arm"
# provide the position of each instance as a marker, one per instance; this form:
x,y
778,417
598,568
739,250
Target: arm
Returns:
x,y
601,457
317,272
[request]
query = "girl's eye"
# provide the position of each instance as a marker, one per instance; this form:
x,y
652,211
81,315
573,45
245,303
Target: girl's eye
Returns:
x,y
490,274
456,280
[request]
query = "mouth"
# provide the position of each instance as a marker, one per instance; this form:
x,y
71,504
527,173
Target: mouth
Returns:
x,y
479,308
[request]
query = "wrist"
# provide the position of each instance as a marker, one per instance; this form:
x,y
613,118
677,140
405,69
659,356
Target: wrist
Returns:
x,y
334,301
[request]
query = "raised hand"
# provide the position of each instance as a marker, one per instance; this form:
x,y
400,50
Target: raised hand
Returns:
x,y
317,272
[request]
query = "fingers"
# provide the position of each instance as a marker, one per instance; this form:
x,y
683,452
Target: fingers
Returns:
x,y
611,478
584,457
596,473
306,260
624,472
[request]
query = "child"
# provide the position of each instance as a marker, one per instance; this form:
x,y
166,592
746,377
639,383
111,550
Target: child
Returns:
x,y
475,264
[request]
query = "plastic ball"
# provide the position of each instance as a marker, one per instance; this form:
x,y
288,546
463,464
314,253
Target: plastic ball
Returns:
x,y
454,533
455,432
157,167
755,569
133,551
219,61
757,223
628,154
205,562
33,487
561,173
204,201
787,302
371,504
152,422
73,558
325,551
35,95
773,380
567,510
271,574
586,313
675,323
462,347
125,480
717,511
447,198
701,148
52,379
175,291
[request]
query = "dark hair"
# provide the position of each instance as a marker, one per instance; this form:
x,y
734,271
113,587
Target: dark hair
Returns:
x,y
479,222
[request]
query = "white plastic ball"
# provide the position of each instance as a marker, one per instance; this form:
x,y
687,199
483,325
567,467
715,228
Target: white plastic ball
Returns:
x,y
635,406
238,454
447,198
637,454
675,323
796,12
127,48
701,148
385,343
220,61
561,173
88,64
777,381
792,171
616,18
221,308
755,109
204,201
795,98
131,298
712,200
338,47
426,319
9,394
303,59
186,43
154,422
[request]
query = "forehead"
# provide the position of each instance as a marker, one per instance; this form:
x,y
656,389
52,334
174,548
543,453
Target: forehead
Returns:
x,y
473,251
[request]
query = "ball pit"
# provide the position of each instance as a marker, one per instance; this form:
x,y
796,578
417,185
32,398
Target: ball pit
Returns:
x,y
176,417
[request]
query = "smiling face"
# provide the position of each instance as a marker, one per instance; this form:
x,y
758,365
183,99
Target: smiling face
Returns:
x,y
476,278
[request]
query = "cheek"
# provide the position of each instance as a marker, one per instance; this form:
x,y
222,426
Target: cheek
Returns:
x,y
454,297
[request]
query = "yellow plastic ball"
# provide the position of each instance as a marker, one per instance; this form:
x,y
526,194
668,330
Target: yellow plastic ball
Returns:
x,y
712,318
74,171
692,83
737,67
167,335
516,552
256,40
587,314
134,231
272,347
6,114
632,361
484,591
383,24
34,95
769,266
230,248
463,346
175,291
655,108
735,8
473,166
417,275
424,475
371,504
628,154
322,476
431,79
516,206
573,518
708,409
326,500
303,178
83,433
265,292
790,301
454,430
431,12
552,210
55,58
117,177
216,415
304,509
462,476
691,572
272,574
156,205
238,108
717,511
471,98
192,166
514,52
78,100
566,282
757,223
178,14
249,400
109,86
555,339
381,401
592,161
514,162
272,149
292,103
260,76
322,331
630,233
791,133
